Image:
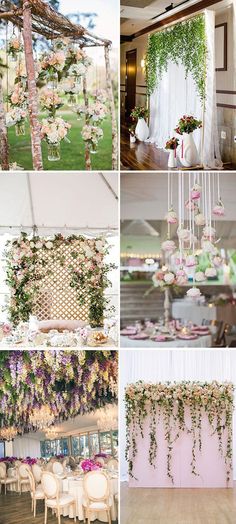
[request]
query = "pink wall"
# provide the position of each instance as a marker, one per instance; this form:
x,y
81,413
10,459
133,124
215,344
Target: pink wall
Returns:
x,y
209,463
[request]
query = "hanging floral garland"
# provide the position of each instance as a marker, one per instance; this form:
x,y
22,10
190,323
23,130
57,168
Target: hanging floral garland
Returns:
x,y
25,271
145,400
69,383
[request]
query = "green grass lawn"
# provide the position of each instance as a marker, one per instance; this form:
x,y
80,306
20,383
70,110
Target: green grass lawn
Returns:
x,y
72,155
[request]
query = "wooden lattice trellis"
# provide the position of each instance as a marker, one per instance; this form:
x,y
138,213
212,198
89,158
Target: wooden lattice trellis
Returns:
x,y
36,16
56,299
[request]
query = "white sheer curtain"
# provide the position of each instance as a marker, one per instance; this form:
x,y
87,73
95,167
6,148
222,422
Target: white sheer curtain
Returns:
x,y
26,447
162,365
177,95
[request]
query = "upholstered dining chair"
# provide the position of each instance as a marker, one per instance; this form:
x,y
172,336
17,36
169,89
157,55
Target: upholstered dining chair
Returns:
x,y
96,496
4,479
57,468
23,477
53,498
113,464
37,473
35,492
100,460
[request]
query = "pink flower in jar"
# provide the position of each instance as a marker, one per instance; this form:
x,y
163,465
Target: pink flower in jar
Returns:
x,y
219,209
181,277
190,261
190,205
168,246
171,216
196,192
217,261
6,329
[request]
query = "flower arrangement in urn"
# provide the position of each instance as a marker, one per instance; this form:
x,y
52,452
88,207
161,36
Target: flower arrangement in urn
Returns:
x,y
186,125
90,465
171,145
139,115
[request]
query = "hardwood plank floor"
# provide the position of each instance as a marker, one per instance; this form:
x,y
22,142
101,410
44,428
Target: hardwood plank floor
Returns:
x,y
145,157
177,506
16,509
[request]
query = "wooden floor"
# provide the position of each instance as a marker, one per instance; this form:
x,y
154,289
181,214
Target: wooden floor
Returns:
x,y
177,506
145,157
16,509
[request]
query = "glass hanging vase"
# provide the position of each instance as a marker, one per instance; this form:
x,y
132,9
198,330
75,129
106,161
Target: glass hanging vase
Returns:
x,y
13,57
52,81
20,128
54,152
93,148
78,80
72,99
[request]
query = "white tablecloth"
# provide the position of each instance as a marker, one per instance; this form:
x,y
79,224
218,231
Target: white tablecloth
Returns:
x,y
193,312
75,488
200,342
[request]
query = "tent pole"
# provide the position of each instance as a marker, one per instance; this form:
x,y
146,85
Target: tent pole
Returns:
x,y
4,149
33,96
112,108
88,165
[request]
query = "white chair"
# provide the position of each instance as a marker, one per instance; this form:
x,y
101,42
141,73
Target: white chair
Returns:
x,y
23,477
113,464
53,499
96,494
36,493
65,462
37,473
100,460
57,468
4,479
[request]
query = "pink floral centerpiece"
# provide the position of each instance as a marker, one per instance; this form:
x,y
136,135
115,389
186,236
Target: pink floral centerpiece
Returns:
x,y
90,465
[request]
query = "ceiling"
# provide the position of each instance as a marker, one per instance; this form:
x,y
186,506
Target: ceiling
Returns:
x,y
139,14
58,201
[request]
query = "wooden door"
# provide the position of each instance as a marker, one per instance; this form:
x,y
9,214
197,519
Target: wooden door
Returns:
x,y
131,72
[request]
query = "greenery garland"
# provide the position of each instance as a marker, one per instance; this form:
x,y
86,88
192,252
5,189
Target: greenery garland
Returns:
x,y
26,267
170,400
184,43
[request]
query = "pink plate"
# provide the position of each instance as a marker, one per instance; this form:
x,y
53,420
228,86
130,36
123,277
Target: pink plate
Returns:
x,y
139,337
187,337
128,332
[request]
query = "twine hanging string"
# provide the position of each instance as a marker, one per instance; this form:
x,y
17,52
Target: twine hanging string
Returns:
x,y
168,204
7,65
209,200
190,211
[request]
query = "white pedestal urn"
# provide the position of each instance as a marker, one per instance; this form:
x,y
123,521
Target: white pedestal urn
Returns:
x,y
142,130
132,139
167,307
188,153
172,161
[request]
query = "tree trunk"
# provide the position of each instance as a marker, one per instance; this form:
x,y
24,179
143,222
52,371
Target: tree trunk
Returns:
x,y
113,110
4,150
88,165
32,89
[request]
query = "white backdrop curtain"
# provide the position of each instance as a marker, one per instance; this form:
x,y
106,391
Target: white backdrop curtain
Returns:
x,y
26,447
177,95
176,365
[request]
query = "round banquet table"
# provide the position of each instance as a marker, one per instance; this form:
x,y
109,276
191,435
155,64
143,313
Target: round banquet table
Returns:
x,y
200,342
74,487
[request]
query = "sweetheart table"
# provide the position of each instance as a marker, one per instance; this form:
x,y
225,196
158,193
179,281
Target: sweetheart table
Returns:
x,y
200,342
74,487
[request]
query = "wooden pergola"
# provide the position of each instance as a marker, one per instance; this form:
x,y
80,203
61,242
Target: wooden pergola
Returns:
x,y
36,16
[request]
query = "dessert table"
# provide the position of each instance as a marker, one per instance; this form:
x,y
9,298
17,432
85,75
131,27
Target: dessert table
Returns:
x,y
204,341
74,486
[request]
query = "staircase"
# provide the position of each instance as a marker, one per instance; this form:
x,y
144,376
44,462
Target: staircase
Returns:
x,y
135,306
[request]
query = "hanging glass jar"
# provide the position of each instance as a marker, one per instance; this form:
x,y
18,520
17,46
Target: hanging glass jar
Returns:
x,y
93,148
20,128
72,99
52,80
54,152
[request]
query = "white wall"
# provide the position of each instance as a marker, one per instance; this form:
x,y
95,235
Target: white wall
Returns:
x,y
176,365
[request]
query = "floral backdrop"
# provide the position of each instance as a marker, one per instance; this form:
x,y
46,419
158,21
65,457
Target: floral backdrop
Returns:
x,y
27,264
70,383
172,401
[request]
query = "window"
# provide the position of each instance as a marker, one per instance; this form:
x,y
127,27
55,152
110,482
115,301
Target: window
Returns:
x,y
93,443
84,445
2,450
105,442
51,448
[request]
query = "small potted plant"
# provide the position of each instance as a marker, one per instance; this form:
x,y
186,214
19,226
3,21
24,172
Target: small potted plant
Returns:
x,y
132,134
171,146
186,125
139,115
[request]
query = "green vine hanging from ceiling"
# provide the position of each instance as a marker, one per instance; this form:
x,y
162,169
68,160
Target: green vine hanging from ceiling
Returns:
x,y
184,43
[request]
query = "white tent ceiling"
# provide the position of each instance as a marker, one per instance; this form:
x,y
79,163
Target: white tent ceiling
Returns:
x,y
66,202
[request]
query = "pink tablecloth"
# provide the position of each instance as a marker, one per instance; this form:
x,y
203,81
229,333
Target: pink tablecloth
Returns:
x,y
210,464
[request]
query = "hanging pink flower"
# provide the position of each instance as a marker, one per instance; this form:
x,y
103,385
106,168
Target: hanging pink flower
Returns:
x,y
209,232
217,261
168,246
210,272
219,209
194,292
171,216
190,205
200,276
208,247
169,278
196,192
186,236
179,261
190,261
200,219
181,277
